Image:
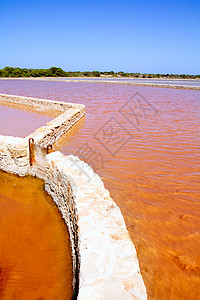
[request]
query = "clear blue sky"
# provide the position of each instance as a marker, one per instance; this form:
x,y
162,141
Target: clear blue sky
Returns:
x,y
131,36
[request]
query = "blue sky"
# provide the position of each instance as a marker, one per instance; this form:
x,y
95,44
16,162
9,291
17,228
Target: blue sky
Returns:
x,y
131,36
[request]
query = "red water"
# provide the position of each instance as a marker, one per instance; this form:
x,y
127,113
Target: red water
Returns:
x,y
35,256
13,119
147,152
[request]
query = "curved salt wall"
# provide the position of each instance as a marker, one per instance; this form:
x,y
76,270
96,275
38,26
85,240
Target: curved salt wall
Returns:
x,y
108,264
105,263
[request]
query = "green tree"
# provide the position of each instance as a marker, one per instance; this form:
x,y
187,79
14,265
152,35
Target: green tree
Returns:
x,y
57,72
87,73
7,71
96,73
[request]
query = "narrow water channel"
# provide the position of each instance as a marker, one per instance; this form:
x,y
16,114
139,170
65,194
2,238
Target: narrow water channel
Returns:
x,y
35,252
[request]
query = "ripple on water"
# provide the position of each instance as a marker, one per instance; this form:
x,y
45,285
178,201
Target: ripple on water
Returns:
x,y
151,178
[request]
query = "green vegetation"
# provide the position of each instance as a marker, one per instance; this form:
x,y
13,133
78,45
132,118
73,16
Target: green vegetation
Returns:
x,y
58,72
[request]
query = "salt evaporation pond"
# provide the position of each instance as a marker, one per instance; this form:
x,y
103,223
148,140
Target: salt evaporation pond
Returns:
x,y
150,166
20,123
35,251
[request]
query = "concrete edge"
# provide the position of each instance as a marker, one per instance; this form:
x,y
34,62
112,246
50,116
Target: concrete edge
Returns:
x,y
44,104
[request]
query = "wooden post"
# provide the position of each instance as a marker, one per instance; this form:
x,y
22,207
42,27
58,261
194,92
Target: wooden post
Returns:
x,y
31,151
49,149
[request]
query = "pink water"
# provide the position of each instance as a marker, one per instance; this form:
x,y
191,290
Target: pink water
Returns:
x,y
20,123
147,153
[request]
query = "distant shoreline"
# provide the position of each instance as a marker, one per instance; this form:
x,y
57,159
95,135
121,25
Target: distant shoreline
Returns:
x,y
102,77
107,81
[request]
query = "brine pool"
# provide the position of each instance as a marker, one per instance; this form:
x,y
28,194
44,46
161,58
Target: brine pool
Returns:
x,y
35,251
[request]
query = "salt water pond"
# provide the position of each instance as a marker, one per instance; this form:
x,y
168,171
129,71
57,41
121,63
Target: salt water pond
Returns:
x,y
144,143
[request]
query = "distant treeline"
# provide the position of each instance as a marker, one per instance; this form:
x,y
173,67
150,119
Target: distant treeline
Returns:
x,y
58,72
